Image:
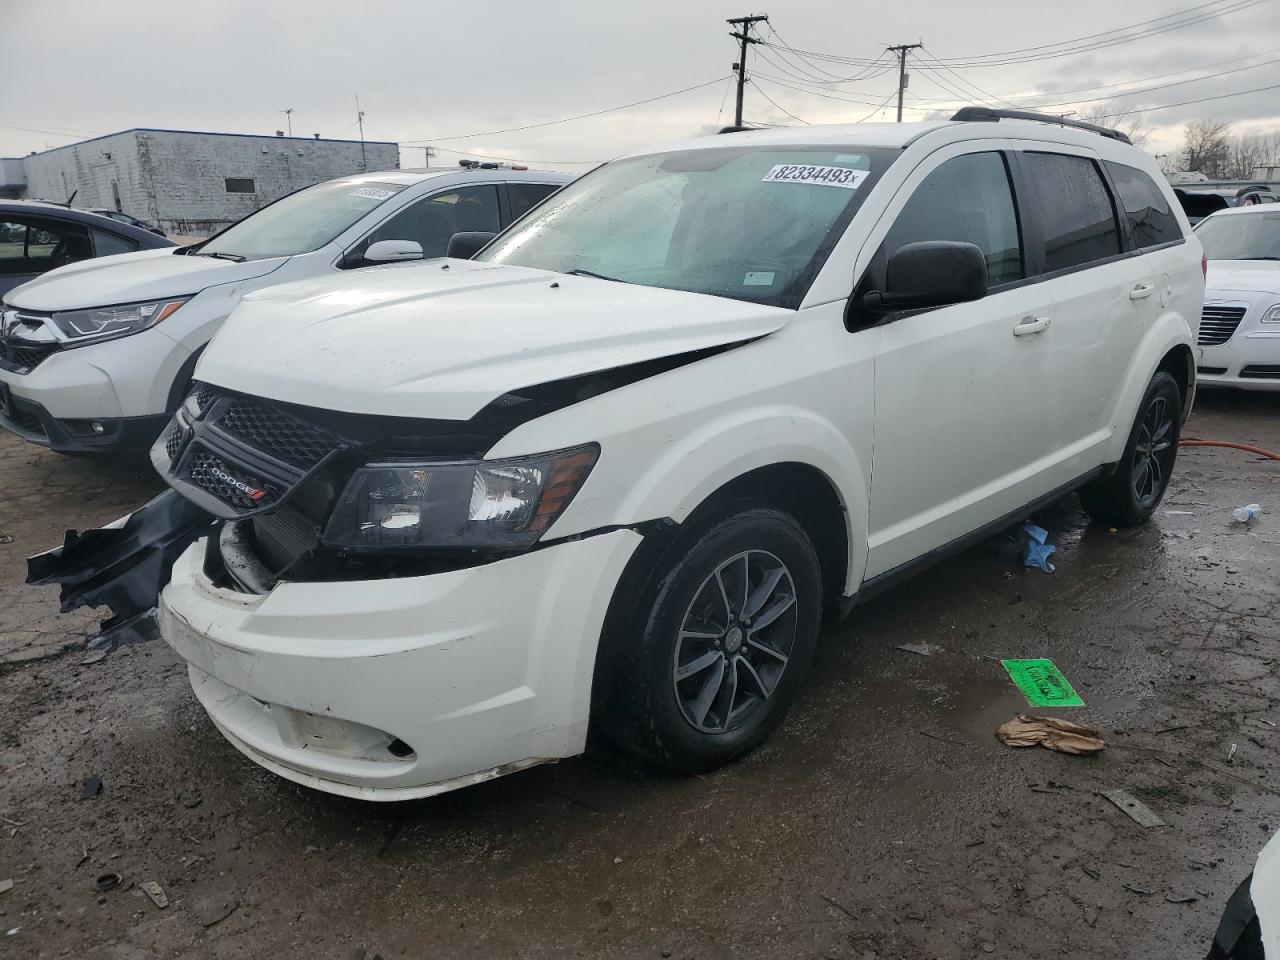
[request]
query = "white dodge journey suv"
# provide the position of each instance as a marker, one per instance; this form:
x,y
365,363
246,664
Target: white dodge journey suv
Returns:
x,y
95,357
613,469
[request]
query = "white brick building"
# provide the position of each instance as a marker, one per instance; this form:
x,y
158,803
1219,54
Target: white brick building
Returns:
x,y
193,183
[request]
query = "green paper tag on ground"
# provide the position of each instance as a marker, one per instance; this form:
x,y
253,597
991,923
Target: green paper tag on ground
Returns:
x,y
1041,683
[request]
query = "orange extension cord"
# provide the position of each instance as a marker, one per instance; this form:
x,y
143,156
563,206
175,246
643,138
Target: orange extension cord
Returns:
x,y
1234,446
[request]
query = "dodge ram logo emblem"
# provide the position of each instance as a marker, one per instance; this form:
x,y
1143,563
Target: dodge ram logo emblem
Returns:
x,y
253,493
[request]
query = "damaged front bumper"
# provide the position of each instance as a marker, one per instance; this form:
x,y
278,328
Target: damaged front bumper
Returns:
x,y
122,566
400,688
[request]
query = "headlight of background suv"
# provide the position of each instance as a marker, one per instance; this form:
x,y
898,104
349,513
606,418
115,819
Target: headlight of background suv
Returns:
x,y
107,323
472,504
1272,315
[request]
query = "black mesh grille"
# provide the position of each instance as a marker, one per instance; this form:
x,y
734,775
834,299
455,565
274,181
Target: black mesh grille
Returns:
x,y
288,437
205,395
230,484
173,443
24,356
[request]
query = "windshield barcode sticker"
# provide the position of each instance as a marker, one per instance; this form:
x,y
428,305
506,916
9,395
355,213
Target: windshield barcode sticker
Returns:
x,y
810,173
372,193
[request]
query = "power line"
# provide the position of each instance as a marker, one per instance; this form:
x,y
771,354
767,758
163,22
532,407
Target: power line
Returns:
x,y
815,93
1186,103
1103,40
867,74
778,105
580,116
877,109
1197,10
991,97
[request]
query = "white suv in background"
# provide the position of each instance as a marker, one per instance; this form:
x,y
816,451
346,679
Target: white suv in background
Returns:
x,y
614,469
94,357
1239,339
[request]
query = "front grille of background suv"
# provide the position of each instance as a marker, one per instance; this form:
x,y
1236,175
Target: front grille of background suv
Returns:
x,y
1218,322
20,354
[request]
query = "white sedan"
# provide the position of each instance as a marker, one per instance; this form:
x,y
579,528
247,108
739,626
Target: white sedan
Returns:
x,y
1239,339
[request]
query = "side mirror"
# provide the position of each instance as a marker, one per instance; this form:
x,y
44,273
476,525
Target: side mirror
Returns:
x,y
390,251
930,273
465,245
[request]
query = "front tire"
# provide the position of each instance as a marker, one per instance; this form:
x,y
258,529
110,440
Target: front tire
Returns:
x,y
715,646
1130,494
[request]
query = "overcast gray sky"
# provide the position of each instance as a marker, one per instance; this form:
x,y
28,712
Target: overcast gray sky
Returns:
x,y
76,68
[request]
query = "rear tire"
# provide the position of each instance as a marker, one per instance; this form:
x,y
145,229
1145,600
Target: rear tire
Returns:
x,y
1130,494
712,650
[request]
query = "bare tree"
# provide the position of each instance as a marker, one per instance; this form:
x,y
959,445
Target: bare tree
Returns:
x,y
1205,147
1134,126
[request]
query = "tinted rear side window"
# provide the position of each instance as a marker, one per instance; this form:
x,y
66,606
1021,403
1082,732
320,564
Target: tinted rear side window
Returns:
x,y
1079,222
525,196
1150,217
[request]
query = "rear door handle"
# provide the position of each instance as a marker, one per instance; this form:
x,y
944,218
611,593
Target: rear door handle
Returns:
x,y
1142,291
1031,325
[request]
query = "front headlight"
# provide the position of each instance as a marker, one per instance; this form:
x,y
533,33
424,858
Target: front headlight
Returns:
x,y
107,323
1272,315
460,505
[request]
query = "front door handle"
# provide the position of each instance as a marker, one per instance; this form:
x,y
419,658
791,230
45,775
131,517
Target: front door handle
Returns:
x,y
1031,325
1142,291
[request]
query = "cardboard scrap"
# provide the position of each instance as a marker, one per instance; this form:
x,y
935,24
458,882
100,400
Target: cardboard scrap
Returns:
x,y
1138,811
1051,733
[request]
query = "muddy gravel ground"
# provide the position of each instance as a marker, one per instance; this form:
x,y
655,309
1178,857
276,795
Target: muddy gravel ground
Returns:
x,y
883,820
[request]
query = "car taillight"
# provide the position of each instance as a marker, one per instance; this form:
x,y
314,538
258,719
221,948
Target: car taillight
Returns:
x,y
1204,265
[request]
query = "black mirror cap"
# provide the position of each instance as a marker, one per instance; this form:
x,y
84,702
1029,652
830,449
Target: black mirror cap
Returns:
x,y
465,245
930,273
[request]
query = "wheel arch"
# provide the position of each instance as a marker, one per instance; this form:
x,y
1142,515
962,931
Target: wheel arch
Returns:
x,y
1166,346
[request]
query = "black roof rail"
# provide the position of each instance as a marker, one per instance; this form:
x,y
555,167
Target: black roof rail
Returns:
x,y
980,114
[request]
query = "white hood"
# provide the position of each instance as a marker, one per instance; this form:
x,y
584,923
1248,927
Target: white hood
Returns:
x,y
132,277
1226,277
419,340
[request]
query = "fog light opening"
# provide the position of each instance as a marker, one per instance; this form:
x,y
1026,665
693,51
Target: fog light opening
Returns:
x,y
399,749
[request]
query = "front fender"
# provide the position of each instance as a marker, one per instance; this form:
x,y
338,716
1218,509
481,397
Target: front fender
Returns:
x,y
667,470
1169,331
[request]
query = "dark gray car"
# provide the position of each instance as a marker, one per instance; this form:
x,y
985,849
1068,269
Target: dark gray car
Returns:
x,y
37,237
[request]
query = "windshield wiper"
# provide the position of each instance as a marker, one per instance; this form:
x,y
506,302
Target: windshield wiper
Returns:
x,y
234,257
1262,258
594,276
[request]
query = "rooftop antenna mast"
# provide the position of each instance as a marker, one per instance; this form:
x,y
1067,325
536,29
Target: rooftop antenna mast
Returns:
x,y
288,119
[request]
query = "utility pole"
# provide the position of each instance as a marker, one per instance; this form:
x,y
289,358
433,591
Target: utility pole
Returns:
x,y
288,118
364,163
901,50
744,38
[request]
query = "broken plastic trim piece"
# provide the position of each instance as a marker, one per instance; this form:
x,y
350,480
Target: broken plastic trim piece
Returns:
x,y
122,566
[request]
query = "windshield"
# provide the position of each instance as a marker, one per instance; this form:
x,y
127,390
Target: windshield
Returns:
x,y
301,222
751,223
1247,236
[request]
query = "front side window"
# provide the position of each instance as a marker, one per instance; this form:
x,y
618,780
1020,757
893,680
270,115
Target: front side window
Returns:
x,y
433,221
748,223
967,198
1149,213
1079,221
1247,236
301,222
